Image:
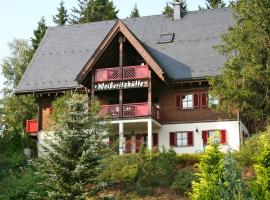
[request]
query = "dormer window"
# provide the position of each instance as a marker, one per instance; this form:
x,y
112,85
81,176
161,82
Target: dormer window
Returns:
x,y
166,38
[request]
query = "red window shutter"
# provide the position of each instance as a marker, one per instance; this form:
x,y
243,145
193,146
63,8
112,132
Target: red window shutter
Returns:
x,y
172,139
155,139
190,138
204,100
223,137
178,101
196,100
205,137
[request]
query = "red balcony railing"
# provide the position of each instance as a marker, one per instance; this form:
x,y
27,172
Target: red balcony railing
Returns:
x,y
32,126
111,111
135,109
118,73
129,111
156,113
135,72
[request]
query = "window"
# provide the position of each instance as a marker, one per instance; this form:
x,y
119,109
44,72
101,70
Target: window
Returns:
x,y
166,38
181,139
187,101
218,136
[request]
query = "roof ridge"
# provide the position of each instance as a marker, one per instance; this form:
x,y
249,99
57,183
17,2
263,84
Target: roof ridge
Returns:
x,y
135,18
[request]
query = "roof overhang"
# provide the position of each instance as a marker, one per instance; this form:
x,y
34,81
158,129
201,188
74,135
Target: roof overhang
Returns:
x,y
119,27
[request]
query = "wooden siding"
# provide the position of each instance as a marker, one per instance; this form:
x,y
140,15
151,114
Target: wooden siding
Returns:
x,y
172,114
45,109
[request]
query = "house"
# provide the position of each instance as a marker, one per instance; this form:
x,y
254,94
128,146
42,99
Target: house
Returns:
x,y
148,73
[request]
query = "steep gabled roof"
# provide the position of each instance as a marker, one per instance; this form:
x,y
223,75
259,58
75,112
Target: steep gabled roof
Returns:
x,y
64,51
120,27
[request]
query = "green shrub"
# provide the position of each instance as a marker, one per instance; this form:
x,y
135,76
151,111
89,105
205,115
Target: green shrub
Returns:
x,y
260,187
20,184
119,169
251,148
156,169
210,169
183,181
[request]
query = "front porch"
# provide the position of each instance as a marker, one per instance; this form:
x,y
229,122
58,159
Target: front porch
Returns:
x,y
131,134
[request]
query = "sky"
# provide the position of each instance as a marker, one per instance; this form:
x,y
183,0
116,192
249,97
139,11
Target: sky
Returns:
x,y
18,18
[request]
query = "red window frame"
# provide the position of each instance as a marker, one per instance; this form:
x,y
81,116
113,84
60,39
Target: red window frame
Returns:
x,y
222,136
200,100
190,138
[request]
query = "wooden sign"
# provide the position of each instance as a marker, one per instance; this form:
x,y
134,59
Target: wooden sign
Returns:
x,y
121,85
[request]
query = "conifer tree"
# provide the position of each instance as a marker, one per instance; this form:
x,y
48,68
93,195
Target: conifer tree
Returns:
x,y
231,184
39,33
244,81
62,16
93,10
211,4
71,162
135,12
210,169
168,9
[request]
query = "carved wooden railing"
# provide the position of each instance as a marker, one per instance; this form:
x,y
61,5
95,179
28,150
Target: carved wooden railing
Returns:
x,y
129,111
118,73
135,109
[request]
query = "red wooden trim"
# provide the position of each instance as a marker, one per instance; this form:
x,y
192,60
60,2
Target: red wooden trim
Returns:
x,y
205,137
223,137
196,100
178,100
172,139
204,99
190,138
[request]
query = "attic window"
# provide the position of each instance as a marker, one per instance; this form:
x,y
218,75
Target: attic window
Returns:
x,y
166,38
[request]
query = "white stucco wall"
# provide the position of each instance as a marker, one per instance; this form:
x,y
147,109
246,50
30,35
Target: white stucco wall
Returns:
x,y
231,127
234,134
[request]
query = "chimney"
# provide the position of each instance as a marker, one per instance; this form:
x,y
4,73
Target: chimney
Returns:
x,y
176,11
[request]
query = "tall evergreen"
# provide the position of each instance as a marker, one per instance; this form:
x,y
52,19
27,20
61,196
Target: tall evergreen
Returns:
x,y
231,184
71,165
93,10
211,4
244,83
39,33
135,12
62,16
168,9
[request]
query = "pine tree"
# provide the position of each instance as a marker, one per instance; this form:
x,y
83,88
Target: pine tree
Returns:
x,y
135,12
231,184
71,162
93,10
39,33
168,9
244,81
211,4
62,16
206,188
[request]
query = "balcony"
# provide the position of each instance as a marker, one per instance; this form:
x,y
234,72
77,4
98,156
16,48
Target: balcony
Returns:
x,y
121,73
32,126
129,111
